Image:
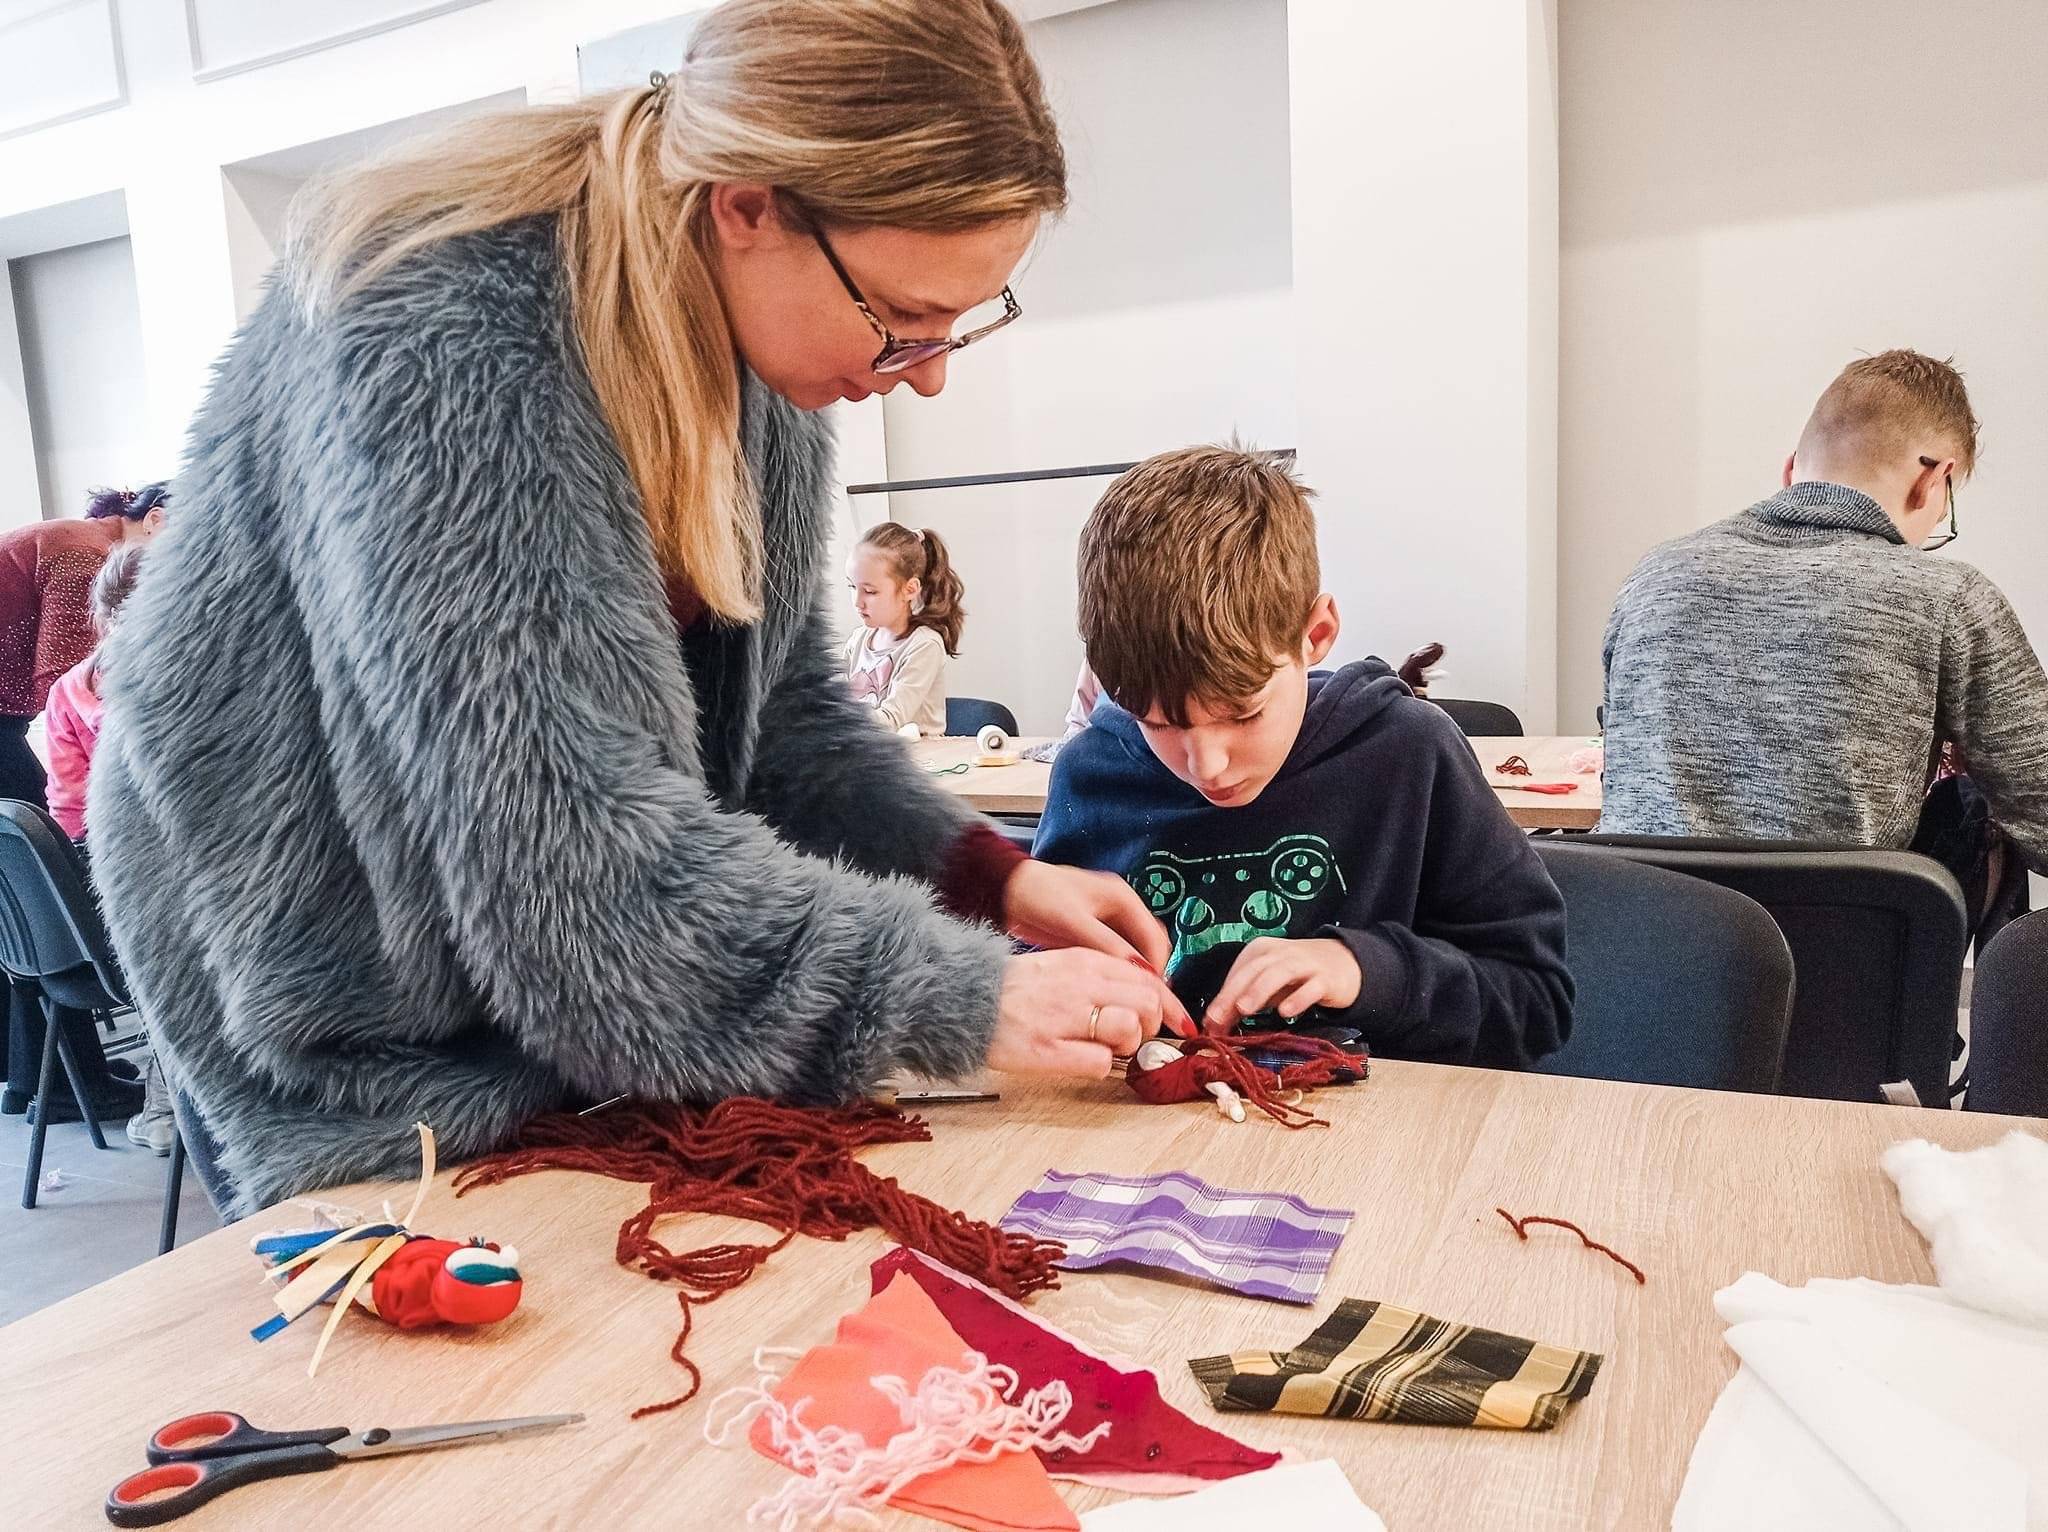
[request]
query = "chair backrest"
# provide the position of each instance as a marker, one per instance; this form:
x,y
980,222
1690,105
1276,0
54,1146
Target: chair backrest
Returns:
x,y
970,715
51,934
2009,1021
1480,720
1877,942
1679,982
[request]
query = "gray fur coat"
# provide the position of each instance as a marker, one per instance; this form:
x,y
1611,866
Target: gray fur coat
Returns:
x,y
406,807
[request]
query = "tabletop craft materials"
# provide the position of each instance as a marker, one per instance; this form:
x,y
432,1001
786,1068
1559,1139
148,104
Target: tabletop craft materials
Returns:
x,y
1514,766
957,1445
1547,789
1154,1448
1373,1361
1165,1071
1264,1244
198,1458
1862,1404
1521,1228
1292,1495
1984,1215
790,1168
413,1281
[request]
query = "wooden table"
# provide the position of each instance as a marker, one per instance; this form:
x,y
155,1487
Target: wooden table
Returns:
x,y
1546,755
1696,1187
1021,788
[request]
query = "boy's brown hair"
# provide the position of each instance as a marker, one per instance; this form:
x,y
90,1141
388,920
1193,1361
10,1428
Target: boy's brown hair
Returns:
x,y
1198,569
1883,407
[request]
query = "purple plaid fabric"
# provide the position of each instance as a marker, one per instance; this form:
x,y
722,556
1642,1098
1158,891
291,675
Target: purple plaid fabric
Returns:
x,y
1267,1244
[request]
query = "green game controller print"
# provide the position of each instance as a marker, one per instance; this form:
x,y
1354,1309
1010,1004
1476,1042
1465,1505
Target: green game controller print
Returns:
x,y
1259,892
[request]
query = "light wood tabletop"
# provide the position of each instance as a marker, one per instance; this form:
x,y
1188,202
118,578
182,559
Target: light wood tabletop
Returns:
x,y
1695,1187
1020,788
1547,757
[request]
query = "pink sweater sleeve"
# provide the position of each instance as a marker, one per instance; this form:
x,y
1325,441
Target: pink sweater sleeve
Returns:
x,y
71,724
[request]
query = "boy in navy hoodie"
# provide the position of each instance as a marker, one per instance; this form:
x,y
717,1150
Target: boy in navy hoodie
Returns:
x,y
1320,845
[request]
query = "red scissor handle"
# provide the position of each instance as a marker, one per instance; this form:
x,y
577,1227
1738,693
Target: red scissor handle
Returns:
x,y
167,1491
224,1434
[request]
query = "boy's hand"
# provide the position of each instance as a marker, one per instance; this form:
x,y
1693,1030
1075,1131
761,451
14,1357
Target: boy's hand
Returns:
x,y
1274,974
1051,906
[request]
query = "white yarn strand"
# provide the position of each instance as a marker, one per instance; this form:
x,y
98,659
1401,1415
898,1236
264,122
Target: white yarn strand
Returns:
x,y
954,1415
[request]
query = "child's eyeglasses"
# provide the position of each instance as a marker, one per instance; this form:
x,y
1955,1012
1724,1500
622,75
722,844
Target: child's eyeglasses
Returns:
x,y
1946,535
902,355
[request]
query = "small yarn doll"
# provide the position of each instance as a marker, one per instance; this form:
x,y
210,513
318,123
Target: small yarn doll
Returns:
x,y
1224,1067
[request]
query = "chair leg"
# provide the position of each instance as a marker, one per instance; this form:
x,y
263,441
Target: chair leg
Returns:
x,y
46,1076
54,1020
174,1186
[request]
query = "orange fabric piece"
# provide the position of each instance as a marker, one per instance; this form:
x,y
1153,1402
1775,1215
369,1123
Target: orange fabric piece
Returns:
x,y
900,1333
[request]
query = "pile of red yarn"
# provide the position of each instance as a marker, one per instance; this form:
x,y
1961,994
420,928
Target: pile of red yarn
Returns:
x,y
791,1168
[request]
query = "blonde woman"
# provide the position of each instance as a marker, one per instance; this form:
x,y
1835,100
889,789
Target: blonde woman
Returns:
x,y
490,757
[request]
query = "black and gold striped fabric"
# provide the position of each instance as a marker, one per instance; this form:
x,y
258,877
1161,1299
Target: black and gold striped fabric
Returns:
x,y
1373,1361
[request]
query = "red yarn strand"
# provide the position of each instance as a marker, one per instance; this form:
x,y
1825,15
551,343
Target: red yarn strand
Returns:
x,y
791,1168
1521,1228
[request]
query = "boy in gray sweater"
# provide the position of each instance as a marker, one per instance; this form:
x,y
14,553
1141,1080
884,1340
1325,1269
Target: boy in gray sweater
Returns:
x,y
1794,671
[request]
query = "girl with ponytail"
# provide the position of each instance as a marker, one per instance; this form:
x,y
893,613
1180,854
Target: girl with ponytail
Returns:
x,y
491,755
908,596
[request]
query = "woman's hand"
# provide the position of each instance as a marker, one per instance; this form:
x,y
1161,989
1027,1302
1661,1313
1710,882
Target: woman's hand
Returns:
x,y
1051,906
1071,1011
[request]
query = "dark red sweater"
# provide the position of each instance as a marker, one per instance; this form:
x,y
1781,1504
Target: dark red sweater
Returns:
x,y
46,575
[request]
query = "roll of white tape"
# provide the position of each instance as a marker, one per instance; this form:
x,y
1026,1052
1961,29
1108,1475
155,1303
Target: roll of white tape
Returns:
x,y
992,740
911,731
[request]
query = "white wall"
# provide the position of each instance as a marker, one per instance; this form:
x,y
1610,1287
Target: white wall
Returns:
x,y
59,59
1424,194
166,148
21,496
1156,314
1753,194
81,338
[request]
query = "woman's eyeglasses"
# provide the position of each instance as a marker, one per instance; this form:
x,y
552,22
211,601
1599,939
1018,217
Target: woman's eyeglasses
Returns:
x,y
1946,535
902,355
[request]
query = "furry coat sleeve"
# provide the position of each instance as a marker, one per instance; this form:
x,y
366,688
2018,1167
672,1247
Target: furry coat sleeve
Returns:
x,y
410,807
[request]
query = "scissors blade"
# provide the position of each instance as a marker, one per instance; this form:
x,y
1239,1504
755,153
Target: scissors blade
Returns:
x,y
379,1442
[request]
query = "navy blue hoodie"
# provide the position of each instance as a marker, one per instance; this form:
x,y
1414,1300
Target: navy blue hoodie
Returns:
x,y
1379,830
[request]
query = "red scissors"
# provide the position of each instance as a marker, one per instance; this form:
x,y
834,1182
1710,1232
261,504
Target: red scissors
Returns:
x,y
199,1457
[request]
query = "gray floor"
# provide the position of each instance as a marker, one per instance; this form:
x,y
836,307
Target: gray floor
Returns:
x,y
95,1217
101,1219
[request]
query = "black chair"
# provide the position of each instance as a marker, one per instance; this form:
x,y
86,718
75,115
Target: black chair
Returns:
x,y
970,715
1877,942
1480,720
1679,982
54,949
2009,1022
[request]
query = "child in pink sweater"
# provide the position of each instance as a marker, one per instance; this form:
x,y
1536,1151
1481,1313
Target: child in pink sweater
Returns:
x,y
71,720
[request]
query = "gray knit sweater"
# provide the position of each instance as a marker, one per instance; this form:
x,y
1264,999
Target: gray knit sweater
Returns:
x,y
1790,673
407,804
